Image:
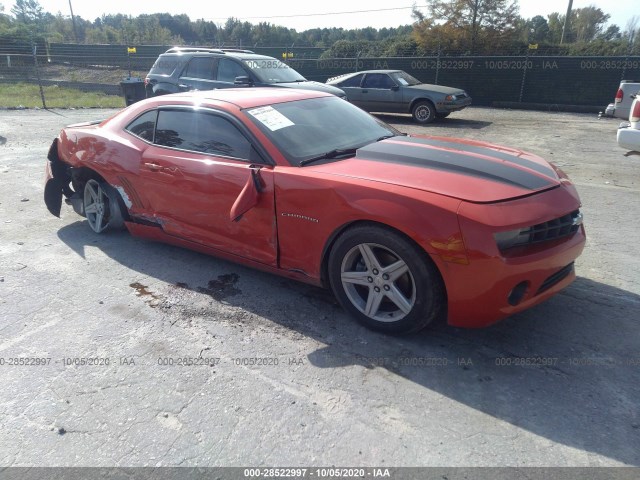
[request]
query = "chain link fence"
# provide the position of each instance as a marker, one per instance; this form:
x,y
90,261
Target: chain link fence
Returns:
x,y
542,81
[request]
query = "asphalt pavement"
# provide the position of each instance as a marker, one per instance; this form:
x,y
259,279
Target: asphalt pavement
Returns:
x,y
119,352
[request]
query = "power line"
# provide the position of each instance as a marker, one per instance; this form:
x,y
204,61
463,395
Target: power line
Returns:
x,y
327,13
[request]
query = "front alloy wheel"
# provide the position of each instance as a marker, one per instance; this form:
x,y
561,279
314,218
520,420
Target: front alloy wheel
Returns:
x,y
378,282
384,280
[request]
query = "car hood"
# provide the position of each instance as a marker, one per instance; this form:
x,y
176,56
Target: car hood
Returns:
x,y
464,169
435,88
310,85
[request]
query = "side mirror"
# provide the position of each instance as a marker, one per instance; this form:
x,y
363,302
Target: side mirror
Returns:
x,y
243,80
395,88
249,196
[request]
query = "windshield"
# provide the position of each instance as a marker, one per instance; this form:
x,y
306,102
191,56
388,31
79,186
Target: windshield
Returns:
x,y
271,70
403,78
305,129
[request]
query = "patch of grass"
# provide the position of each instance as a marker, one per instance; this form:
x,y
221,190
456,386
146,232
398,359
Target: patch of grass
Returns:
x,y
13,95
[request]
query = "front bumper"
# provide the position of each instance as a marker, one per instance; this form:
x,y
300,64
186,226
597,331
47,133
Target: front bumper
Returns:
x,y
628,138
494,284
448,107
481,294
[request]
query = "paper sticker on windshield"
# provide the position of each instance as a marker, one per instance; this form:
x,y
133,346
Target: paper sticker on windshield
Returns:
x,y
270,118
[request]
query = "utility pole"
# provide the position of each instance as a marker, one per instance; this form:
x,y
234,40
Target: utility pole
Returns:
x,y
73,21
567,23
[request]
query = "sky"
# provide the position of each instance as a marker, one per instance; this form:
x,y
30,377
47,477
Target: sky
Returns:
x,y
302,16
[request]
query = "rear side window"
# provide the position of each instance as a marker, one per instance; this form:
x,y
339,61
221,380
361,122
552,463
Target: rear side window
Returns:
x,y
164,66
201,132
200,67
144,125
352,82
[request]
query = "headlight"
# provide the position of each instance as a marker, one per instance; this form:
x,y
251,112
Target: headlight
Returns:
x,y
510,238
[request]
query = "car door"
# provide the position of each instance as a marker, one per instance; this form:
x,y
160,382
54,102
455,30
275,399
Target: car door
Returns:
x,y
198,74
380,93
351,88
227,72
193,175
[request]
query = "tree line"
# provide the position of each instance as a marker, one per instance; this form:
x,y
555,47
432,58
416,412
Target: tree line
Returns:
x,y
473,27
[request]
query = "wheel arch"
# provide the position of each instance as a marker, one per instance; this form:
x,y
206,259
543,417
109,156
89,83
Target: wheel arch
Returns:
x,y
328,247
80,176
415,101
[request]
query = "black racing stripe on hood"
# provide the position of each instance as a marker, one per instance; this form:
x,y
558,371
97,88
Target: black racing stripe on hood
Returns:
x,y
523,162
454,162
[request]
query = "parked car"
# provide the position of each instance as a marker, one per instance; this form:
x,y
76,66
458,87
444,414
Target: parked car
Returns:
x,y
629,132
621,106
181,69
403,228
395,91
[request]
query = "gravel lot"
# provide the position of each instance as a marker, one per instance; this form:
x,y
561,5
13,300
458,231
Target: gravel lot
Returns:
x,y
324,391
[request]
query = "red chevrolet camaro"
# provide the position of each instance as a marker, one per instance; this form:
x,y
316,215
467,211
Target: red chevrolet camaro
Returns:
x,y
403,228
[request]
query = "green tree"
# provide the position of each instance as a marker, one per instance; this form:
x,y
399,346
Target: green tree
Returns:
x,y
478,22
29,12
587,23
538,29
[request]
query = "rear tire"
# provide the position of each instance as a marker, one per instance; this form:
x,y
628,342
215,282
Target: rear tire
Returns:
x,y
384,280
101,206
442,115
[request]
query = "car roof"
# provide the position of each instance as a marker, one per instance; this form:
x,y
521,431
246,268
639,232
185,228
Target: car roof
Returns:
x,y
195,52
379,71
345,76
243,97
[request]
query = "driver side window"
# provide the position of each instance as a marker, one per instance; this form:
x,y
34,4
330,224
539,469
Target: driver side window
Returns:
x,y
228,70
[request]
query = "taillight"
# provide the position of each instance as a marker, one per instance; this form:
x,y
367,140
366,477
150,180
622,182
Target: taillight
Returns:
x,y
635,111
619,96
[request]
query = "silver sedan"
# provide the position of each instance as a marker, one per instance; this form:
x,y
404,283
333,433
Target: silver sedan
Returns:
x,y
395,91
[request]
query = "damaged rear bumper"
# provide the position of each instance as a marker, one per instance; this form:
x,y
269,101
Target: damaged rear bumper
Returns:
x,y
57,184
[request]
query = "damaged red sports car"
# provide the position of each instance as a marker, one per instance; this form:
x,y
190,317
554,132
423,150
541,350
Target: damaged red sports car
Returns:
x,y
403,228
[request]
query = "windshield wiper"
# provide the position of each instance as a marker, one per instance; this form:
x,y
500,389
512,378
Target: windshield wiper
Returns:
x,y
338,152
384,137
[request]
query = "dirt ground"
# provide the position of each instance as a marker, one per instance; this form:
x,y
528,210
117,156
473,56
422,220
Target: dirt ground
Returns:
x,y
291,379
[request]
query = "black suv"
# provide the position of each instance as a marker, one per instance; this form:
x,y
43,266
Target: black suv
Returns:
x,y
181,69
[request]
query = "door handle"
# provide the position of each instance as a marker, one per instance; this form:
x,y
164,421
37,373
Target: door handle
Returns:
x,y
365,91
154,167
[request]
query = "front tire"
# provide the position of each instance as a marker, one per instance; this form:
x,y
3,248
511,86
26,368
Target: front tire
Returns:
x,y
384,280
424,112
101,206
440,116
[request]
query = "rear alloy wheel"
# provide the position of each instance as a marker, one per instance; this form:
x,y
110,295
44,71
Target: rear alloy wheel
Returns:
x,y
424,112
101,206
384,280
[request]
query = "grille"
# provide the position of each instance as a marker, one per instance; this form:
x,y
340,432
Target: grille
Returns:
x,y
558,228
555,278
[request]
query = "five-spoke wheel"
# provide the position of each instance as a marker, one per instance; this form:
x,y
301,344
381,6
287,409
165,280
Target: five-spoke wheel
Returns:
x,y
101,206
385,280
